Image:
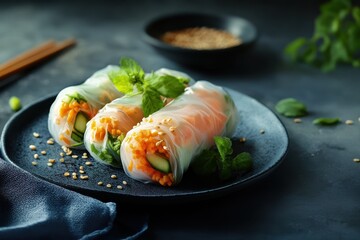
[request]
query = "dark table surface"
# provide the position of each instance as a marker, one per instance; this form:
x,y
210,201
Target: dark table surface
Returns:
x,y
313,194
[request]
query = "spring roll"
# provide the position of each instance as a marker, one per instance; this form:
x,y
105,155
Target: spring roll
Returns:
x,y
74,106
105,132
161,148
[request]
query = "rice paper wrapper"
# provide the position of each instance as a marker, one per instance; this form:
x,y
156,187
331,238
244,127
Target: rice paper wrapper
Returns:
x,y
105,132
181,130
87,98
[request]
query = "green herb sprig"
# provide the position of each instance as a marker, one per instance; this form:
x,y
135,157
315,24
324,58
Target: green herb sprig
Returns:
x,y
291,107
131,79
336,38
219,161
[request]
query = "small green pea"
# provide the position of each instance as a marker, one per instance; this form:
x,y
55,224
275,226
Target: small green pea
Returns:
x,y
15,103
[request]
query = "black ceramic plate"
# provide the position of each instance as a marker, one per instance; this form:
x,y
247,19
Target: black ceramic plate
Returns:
x,y
267,149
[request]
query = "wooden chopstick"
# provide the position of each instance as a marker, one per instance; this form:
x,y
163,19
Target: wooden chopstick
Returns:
x,y
33,56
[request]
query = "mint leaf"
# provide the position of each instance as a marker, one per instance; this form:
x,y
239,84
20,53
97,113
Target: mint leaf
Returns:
x,y
293,48
133,70
151,101
326,121
290,107
335,39
223,145
121,81
205,164
242,162
166,85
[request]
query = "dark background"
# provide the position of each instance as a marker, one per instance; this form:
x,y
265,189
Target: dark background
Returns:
x,y
314,194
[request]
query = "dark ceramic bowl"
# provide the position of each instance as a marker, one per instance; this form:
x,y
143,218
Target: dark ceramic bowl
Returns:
x,y
238,27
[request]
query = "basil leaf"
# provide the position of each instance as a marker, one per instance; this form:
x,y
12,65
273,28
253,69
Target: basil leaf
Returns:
x,y
335,39
326,121
121,81
133,70
205,164
166,85
223,145
242,162
291,107
151,101
293,48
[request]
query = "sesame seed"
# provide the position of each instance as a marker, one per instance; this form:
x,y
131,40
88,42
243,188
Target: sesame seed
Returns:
x,y
74,173
50,142
51,160
81,171
161,133
32,147
85,154
154,132
62,154
172,129
84,157
297,120
35,134
124,182
165,147
34,163
349,122
74,156
242,140
108,185
100,183
62,160
113,176
49,164
356,160
43,152
119,187
88,163
36,156
158,143
66,174
84,177
68,153
74,177
81,167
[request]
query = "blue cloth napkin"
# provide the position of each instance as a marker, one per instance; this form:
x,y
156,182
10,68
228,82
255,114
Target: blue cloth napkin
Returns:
x,y
31,208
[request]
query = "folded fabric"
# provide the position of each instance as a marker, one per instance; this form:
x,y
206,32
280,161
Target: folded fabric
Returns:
x,y
31,208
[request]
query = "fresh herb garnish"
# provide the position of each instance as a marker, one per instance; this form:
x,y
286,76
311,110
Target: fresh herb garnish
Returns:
x,y
110,154
220,162
15,103
131,79
326,121
290,107
76,97
335,38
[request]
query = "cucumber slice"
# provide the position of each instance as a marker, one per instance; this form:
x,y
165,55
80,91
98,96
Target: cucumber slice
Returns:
x,y
76,137
158,162
80,122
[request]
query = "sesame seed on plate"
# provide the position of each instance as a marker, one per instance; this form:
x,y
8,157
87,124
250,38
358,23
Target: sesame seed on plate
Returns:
x,y
32,147
35,134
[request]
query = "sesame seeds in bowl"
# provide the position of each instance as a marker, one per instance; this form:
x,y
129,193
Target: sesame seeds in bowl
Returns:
x,y
201,40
